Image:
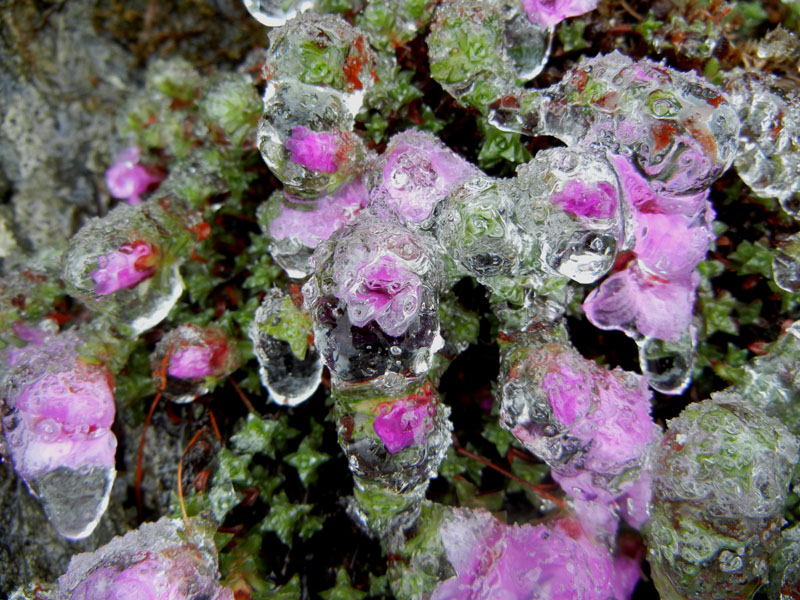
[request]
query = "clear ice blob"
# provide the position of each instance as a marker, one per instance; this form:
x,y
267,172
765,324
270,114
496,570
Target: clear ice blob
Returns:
x,y
395,442
290,365
275,13
477,230
720,480
786,264
57,415
668,365
784,567
393,23
679,131
373,301
122,265
592,426
412,176
572,210
480,51
165,560
189,359
322,52
305,136
768,157
295,228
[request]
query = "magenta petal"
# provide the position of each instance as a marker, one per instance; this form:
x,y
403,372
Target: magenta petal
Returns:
x,y
191,362
404,424
124,268
315,151
612,304
126,179
668,246
593,201
547,13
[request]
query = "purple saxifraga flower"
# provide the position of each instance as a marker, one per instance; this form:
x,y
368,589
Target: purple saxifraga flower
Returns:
x,y
405,422
633,300
62,419
312,150
581,200
127,179
383,291
158,561
318,224
415,173
547,13
513,562
124,268
669,246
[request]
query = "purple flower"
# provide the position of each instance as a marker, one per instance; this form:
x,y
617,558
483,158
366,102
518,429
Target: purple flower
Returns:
x,y
127,179
61,419
415,173
192,352
383,291
513,562
547,13
124,268
144,580
331,212
632,300
669,246
314,151
580,200
405,422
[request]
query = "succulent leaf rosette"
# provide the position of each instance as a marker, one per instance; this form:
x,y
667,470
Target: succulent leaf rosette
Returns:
x,y
720,479
373,301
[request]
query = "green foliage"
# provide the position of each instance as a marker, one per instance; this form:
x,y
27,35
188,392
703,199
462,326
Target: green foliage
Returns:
x,y
501,147
263,436
570,34
287,519
308,458
342,590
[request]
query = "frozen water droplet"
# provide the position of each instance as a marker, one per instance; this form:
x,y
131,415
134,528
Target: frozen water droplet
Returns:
x,y
274,13
290,366
74,500
729,562
786,265
667,365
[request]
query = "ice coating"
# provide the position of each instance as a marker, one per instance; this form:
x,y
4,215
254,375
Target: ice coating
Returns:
x,y
314,151
127,179
407,19
296,228
572,209
275,13
549,13
158,561
768,157
373,301
721,476
122,265
637,303
58,411
414,174
290,365
186,356
124,268
592,426
679,131
518,562
479,51
669,246
784,568
394,442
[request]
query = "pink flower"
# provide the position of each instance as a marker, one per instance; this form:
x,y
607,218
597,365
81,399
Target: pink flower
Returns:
x,y
193,352
405,422
382,291
314,151
124,268
669,246
494,560
62,419
318,224
127,179
581,200
547,13
631,300
144,580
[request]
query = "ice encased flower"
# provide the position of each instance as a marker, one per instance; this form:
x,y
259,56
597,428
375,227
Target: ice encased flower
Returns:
x,y
414,174
58,410
188,357
124,268
164,560
720,479
549,13
373,301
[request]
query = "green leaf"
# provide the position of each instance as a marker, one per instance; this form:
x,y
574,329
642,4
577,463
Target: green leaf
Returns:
x,y
263,435
307,460
285,519
342,590
751,258
717,314
498,436
570,33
